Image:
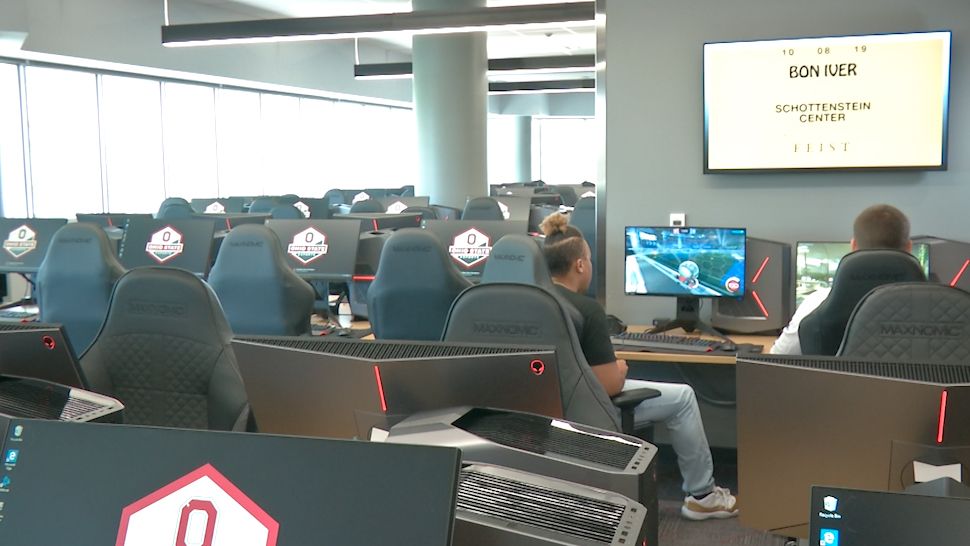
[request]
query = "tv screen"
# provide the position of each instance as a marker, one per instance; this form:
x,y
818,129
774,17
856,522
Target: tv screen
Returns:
x,y
847,102
816,262
684,261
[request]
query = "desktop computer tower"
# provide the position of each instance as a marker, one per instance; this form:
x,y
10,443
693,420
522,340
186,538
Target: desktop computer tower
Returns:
x,y
841,422
769,300
499,506
543,445
949,261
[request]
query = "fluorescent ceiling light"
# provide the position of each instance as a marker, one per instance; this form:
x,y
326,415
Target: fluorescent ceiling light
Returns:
x,y
552,86
560,64
356,26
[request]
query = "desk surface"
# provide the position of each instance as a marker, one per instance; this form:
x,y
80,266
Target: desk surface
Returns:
x,y
699,358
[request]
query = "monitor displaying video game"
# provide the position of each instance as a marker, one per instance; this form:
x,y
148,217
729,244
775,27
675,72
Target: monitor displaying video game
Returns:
x,y
684,261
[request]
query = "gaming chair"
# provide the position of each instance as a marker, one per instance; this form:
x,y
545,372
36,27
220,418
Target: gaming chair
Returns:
x,y
821,332
75,280
368,205
910,322
258,290
164,351
414,287
482,208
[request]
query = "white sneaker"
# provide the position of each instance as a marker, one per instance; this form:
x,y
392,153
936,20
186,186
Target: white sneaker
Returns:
x,y
719,504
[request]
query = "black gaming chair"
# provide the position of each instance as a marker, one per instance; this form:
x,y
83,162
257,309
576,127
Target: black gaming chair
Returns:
x,y
368,205
415,286
175,211
568,194
171,201
164,350
286,212
535,316
482,208
821,332
911,322
263,205
288,198
517,258
75,280
583,217
258,290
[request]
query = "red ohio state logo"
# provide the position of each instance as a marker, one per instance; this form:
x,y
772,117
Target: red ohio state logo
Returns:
x,y
202,508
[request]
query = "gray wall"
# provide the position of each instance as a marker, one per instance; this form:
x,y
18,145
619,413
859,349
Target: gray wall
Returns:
x,y
129,31
654,129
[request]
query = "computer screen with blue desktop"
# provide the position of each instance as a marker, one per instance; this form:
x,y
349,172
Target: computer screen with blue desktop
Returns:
x,y
687,263
816,262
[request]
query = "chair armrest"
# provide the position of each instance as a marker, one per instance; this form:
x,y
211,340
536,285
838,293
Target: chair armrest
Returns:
x,y
627,400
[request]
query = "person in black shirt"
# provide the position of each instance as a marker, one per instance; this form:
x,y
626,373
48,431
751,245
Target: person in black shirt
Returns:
x,y
568,256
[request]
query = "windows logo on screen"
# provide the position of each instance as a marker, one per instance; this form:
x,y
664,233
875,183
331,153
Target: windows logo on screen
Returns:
x,y
828,537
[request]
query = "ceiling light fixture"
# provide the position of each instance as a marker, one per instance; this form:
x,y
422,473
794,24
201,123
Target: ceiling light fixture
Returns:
x,y
558,64
355,26
551,86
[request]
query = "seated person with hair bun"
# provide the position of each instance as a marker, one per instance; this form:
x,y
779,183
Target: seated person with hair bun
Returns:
x,y
568,256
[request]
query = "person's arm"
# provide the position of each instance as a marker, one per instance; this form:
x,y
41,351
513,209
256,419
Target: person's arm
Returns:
x,y
611,375
788,342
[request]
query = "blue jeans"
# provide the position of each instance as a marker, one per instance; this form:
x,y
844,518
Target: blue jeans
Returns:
x,y
677,409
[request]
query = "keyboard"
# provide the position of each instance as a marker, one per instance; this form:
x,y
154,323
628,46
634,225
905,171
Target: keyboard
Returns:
x,y
9,314
663,343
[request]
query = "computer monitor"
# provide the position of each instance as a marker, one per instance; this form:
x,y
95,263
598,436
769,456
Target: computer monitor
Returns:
x,y
469,242
218,205
951,260
687,263
375,221
315,209
809,420
110,219
83,483
816,262
396,205
319,249
343,388
186,244
40,351
857,517
515,207
25,242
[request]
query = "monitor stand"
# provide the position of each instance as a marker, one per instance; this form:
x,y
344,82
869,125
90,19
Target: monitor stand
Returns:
x,y
688,318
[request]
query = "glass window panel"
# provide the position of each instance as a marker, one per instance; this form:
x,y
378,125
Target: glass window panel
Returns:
x,y
282,168
567,150
188,125
315,145
238,143
12,183
501,150
65,152
131,126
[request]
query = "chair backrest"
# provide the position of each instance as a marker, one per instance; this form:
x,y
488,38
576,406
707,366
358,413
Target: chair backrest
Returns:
x,y
164,351
427,213
583,217
482,208
263,204
171,201
75,280
368,205
526,315
288,198
414,287
175,211
821,332
286,212
911,322
517,258
258,290
568,194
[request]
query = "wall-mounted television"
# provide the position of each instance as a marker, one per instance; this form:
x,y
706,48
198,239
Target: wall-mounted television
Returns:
x,y
869,102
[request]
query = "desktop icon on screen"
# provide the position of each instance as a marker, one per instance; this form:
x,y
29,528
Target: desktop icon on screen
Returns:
x,y
18,431
831,504
11,456
828,537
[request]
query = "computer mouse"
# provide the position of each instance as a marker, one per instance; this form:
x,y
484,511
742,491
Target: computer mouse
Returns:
x,y
728,346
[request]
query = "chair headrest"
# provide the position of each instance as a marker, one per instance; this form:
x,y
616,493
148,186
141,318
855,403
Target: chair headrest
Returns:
x,y
517,258
368,205
482,208
911,321
79,244
150,300
249,246
286,212
414,251
866,269
174,211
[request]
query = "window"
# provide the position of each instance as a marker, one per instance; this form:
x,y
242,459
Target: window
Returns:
x,y
12,177
238,138
567,150
188,127
65,148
